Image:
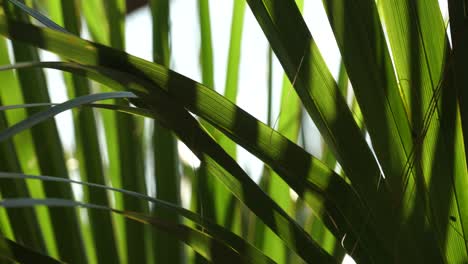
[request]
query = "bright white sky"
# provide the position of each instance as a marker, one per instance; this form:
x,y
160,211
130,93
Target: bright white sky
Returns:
x,y
252,83
253,68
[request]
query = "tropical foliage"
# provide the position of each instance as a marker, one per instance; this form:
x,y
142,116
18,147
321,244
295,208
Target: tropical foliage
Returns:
x,y
389,187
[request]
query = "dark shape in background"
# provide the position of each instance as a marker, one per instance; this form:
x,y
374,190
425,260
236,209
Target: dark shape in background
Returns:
x,y
132,5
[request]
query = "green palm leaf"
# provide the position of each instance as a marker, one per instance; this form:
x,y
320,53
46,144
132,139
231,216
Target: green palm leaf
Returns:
x,y
389,186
